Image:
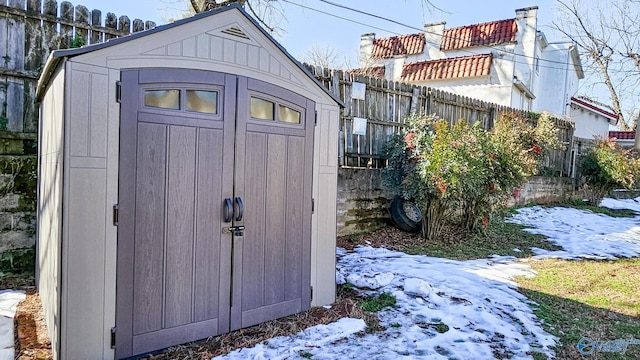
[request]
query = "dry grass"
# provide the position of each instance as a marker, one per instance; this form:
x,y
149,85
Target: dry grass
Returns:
x,y
347,305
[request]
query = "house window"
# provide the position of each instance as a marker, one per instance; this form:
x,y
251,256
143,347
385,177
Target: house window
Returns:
x,y
537,64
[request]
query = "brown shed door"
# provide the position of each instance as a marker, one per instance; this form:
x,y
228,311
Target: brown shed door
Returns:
x,y
200,154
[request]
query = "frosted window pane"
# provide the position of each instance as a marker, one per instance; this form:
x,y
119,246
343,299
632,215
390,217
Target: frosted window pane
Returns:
x,y
261,109
288,115
166,99
202,101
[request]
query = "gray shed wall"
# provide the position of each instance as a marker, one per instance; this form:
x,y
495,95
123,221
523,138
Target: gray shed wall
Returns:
x,y
49,230
88,269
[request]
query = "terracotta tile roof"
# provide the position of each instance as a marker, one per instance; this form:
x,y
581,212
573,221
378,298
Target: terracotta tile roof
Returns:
x,y
374,71
591,105
623,135
489,33
451,68
398,45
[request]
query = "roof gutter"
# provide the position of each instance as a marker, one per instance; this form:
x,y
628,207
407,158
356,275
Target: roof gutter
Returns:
x,y
577,63
523,88
50,68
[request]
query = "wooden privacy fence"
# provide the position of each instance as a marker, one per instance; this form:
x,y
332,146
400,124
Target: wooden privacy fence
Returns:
x,y
29,31
387,104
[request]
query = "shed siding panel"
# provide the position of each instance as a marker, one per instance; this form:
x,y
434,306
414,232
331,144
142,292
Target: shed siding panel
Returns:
x,y
174,49
325,193
325,242
241,54
80,94
202,44
216,48
264,60
253,60
189,47
229,50
50,206
98,117
84,260
113,136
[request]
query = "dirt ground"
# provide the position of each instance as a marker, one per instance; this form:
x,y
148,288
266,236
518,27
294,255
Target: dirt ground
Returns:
x,y
32,341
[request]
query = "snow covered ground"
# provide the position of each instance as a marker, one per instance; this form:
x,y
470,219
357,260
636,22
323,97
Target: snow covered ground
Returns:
x,y
485,316
9,300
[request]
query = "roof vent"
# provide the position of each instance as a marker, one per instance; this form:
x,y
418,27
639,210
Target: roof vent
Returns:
x,y
235,31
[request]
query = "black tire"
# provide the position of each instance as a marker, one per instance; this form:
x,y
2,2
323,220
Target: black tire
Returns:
x,y
406,215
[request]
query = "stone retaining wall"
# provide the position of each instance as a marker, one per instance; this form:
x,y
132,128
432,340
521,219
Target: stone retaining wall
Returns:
x,y
363,203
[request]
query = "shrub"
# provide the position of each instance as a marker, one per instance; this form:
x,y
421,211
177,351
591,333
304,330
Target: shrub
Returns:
x,y
607,167
462,169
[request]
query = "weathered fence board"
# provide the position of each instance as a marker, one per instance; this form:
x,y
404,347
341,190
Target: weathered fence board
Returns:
x,y
29,31
387,105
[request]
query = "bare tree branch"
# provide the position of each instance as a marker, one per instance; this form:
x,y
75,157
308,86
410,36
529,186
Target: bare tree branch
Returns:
x,y
607,38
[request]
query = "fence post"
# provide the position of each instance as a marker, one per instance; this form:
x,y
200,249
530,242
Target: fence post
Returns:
x,y
567,156
415,91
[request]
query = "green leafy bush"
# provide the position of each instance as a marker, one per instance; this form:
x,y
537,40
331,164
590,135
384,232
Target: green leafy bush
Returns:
x,y
607,167
462,171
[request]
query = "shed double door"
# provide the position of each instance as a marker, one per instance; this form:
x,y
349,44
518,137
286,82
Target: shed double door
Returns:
x,y
215,206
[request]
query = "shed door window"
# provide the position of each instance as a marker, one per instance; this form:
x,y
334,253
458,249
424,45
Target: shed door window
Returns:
x,y
166,99
288,114
202,101
269,110
262,109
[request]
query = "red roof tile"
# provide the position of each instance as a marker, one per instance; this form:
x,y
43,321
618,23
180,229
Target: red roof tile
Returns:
x,y
374,71
398,45
451,68
623,135
489,33
590,105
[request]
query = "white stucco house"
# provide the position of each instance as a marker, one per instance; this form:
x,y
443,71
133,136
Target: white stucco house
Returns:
x,y
592,119
507,62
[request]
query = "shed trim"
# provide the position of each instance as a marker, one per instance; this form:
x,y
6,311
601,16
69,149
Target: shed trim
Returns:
x,y
55,57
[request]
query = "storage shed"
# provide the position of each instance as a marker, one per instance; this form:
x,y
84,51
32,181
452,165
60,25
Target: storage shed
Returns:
x,y
187,187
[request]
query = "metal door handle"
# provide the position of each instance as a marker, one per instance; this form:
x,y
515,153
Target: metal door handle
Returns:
x,y
238,210
227,210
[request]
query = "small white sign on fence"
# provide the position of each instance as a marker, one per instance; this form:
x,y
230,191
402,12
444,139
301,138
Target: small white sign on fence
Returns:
x,y
359,126
358,91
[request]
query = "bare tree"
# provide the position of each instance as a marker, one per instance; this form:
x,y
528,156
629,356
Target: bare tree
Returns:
x,y
607,38
325,56
266,12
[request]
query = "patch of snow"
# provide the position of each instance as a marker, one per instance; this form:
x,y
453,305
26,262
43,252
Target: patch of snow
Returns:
x,y
9,300
306,341
581,233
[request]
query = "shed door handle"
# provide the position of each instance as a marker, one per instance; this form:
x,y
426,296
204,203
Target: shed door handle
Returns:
x,y
227,210
238,210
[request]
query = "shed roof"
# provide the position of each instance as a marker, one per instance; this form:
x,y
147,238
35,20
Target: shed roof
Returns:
x,y
56,57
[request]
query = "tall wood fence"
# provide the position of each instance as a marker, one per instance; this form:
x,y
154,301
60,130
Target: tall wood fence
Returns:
x,y
29,31
387,104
